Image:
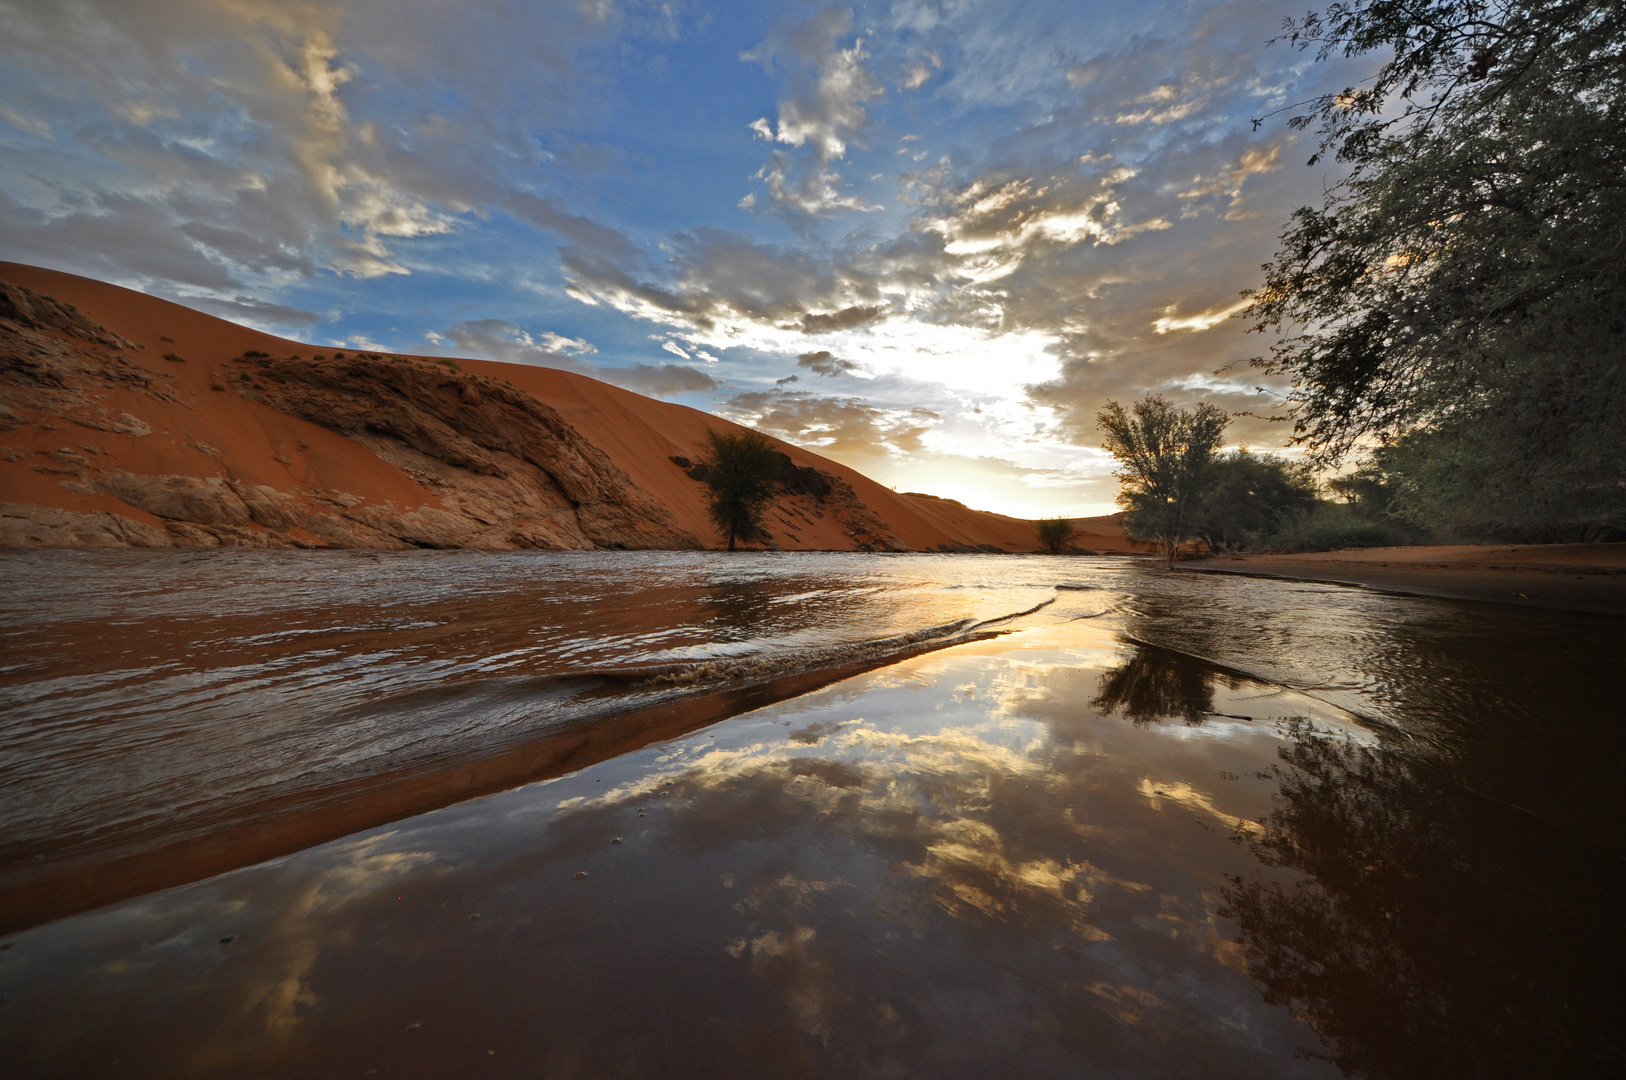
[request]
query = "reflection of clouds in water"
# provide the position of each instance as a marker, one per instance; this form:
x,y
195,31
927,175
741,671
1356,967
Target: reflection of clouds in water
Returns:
x,y
973,821
275,998
1187,796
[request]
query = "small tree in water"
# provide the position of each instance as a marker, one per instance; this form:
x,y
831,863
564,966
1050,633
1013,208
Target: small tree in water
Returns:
x,y
741,476
1163,458
1055,534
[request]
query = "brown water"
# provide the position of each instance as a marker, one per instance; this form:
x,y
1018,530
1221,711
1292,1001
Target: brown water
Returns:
x,y
1074,849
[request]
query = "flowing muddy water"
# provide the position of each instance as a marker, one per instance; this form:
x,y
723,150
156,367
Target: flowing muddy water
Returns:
x,y
1162,825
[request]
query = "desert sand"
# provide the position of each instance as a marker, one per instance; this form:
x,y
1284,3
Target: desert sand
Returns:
x,y
148,424
1564,577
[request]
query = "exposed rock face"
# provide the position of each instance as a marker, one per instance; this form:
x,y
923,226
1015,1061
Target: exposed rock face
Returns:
x,y
494,454
48,364
41,526
29,309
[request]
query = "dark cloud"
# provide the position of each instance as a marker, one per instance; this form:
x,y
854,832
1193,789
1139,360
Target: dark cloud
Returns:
x,y
825,363
250,140
663,380
846,319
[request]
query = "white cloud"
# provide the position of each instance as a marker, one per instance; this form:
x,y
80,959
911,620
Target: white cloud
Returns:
x,y
1199,322
824,109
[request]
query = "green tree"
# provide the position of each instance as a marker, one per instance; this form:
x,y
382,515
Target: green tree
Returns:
x,y
1055,534
1163,457
741,473
1248,497
1461,292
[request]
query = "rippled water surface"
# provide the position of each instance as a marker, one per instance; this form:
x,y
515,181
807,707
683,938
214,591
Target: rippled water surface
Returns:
x,y
1121,821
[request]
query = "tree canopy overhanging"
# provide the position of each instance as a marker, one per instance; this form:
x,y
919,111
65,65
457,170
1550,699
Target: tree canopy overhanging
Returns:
x,y
1458,302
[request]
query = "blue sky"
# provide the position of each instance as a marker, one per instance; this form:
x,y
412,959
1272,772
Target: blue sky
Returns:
x,y
927,239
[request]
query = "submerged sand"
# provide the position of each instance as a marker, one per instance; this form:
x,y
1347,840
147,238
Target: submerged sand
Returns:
x,y
1562,577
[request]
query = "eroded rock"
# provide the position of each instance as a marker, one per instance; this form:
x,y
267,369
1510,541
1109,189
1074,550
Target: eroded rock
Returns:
x,y
44,527
193,499
495,454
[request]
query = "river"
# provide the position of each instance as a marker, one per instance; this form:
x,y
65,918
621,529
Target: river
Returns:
x,y
797,814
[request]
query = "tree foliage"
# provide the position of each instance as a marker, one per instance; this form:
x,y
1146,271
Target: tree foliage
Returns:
x,y
1462,294
1248,497
1163,456
741,473
1055,534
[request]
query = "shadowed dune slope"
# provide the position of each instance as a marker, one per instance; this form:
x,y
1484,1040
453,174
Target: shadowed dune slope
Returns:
x,y
130,420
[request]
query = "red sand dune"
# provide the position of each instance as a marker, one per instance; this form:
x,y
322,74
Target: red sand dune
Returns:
x,y
195,417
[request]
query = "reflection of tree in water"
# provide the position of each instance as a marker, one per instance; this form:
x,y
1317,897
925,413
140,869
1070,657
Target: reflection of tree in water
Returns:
x,y
1435,934
1157,683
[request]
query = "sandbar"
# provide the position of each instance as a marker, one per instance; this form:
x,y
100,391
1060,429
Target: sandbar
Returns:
x,y
1561,577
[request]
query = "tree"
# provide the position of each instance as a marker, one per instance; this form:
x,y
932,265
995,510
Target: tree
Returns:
x,y
1462,290
1163,457
1055,534
741,473
1248,497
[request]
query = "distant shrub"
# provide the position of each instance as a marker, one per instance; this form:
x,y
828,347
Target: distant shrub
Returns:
x,y
1054,534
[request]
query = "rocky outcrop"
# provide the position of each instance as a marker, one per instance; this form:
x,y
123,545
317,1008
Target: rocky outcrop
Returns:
x,y
28,309
53,361
494,455
42,526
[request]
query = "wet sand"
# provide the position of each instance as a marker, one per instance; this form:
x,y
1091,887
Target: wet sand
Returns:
x,y
1562,577
1058,853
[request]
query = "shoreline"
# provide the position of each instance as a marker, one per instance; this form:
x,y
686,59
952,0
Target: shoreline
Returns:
x,y
1586,578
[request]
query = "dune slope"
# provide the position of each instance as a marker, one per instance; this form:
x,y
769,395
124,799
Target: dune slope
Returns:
x,y
126,420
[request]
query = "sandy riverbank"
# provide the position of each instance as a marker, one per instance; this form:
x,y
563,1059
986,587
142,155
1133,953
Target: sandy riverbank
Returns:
x,y
1563,577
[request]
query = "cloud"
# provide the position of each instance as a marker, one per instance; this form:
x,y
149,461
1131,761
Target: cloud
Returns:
x,y
824,363
1199,322
499,339
823,109
847,318
844,427
813,192
247,309
266,141
664,380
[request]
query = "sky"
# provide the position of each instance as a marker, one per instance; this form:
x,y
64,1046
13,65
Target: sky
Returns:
x,y
927,239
